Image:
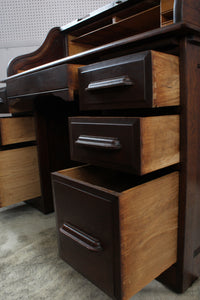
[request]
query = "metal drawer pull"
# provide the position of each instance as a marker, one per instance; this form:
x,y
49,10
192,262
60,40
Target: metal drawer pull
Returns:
x,y
107,143
109,83
81,237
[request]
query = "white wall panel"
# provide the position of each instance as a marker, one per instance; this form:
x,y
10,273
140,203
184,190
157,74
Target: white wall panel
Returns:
x,y
27,22
24,24
6,54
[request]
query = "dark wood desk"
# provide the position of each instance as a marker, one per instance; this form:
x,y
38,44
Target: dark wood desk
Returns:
x,y
54,88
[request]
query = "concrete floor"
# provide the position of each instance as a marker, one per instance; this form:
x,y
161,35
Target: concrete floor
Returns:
x,y
31,269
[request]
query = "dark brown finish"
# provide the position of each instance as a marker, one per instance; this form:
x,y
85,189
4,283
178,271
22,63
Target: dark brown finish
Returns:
x,y
92,214
121,82
145,79
52,144
187,11
180,38
187,268
124,143
111,142
158,39
141,22
80,237
44,82
52,49
87,201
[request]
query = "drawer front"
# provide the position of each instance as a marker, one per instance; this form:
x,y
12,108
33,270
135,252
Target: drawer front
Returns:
x,y
41,82
17,130
119,234
19,175
85,234
146,79
126,143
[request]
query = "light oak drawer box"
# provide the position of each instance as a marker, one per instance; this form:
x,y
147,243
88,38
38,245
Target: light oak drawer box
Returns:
x,y
118,234
19,175
17,130
131,144
147,79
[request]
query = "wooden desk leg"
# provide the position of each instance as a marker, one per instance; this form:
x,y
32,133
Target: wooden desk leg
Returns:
x,y
187,269
52,142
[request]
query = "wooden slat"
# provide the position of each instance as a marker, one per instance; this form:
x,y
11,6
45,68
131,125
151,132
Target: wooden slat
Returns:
x,y
17,130
166,79
166,5
148,230
144,21
160,142
19,175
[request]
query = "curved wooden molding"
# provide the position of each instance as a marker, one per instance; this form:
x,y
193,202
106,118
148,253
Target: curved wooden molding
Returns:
x,y
53,48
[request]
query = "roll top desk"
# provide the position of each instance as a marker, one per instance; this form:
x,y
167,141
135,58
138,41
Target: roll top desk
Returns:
x,y
119,90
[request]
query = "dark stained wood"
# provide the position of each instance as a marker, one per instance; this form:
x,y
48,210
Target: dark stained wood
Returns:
x,y
4,108
89,199
51,117
92,215
87,23
52,49
187,11
145,79
161,37
141,22
52,143
125,143
46,81
187,268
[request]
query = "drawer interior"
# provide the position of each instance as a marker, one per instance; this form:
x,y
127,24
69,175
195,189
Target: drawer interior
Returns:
x,y
125,143
138,18
17,130
141,217
19,175
106,179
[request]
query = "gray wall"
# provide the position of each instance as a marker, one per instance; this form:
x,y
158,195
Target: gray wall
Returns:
x,y
24,24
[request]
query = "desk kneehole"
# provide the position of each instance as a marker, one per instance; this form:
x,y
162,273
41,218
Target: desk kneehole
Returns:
x,y
118,230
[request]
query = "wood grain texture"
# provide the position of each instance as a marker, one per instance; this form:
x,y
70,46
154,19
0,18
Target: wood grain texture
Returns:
x,y
160,142
187,269
73,84
75,47
166,5
143,21
52,48
19,175
17,130
148,230
188,11
153,77
166,79
145,144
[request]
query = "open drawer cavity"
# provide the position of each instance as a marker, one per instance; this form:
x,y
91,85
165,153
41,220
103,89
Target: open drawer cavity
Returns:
x,y
116,230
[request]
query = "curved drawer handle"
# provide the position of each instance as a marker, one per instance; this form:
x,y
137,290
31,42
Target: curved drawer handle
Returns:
x,y
81,237
107,143
109,83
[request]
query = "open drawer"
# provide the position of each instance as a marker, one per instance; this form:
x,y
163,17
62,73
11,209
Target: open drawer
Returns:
x,y
17,130
19,175
142,80
118,230
130,144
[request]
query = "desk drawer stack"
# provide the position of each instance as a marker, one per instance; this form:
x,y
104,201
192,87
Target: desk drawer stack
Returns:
x,y
117,218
